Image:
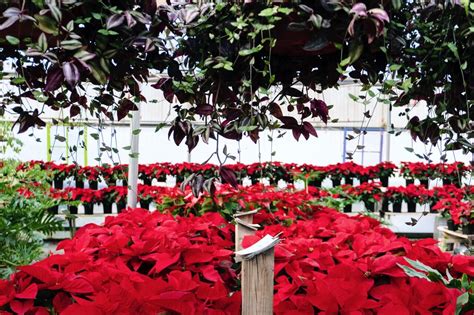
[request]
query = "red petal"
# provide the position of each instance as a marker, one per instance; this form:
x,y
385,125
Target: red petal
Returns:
x,y
29,293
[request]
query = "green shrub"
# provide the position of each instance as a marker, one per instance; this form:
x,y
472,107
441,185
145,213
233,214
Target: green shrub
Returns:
x,y
24,216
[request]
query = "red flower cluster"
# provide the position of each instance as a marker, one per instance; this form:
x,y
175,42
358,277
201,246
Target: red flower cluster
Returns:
x,y
419,170
279,202
136,263
86,196
274,171
460,212
147,263
335,264
366,191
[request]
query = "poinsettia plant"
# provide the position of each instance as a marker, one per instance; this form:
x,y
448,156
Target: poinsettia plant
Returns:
x,y
457,210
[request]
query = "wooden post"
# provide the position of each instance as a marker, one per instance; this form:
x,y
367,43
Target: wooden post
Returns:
x,y
258,262
257,284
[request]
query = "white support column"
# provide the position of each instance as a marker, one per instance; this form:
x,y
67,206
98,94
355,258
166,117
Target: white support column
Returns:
x,y
133,161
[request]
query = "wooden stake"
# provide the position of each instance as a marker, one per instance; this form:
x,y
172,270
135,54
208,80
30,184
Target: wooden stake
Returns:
x,y
257,284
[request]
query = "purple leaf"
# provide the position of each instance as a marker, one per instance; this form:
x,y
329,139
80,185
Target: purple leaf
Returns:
x,y
11,12
125,106
296,133
275,110
130,20
74,111
359,9
288,122
161,83
379,14
54,79
309,129
204,109
115,20
191,141
319,108
228,176
71,73
9,22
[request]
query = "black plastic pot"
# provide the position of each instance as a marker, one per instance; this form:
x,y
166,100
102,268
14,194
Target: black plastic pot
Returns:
x,y
273,181
347,208
451,225
58,183
409,181
107,207
369,205
424,182
79,183
431,207
348,180
179,179
93,184
73,209
411,206
147,181
124,183
336,182
121,205
88,208
161,178
363,179
447,181
384,181
54,210
385,205
254,181
468,229
145,204
397,206
315,183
